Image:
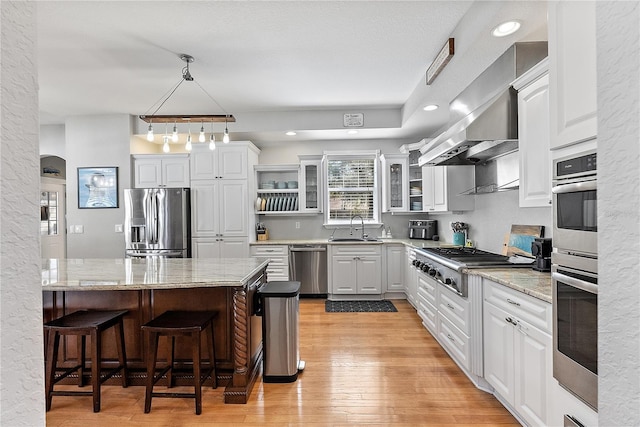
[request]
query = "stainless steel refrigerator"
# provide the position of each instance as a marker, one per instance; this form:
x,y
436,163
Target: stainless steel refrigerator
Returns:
x,y
158,222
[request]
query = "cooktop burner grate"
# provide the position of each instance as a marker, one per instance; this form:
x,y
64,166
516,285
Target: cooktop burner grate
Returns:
x,y
473,258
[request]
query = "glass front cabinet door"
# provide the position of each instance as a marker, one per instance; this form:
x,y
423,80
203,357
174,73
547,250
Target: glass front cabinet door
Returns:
x,y
395,192
311,184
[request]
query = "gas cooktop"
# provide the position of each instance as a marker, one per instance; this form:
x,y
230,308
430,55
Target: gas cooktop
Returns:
x,y
463,257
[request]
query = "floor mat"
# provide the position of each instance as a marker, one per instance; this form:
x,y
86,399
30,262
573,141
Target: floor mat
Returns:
x,y
358,306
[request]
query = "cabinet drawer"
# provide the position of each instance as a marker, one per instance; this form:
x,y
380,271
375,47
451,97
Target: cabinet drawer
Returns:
x,y
427,287
360,250
428,314
454,308
454,341
529,309
269,250
277,272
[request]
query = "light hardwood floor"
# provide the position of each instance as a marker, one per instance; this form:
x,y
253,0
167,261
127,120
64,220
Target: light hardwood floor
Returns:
x,y
362,369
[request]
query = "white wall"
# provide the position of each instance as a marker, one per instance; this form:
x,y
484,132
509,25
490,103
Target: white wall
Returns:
x,y
52,141
492,219
618,46
21,344
97,141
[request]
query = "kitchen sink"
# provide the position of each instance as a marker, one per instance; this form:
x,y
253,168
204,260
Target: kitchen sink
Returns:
x,y
353,239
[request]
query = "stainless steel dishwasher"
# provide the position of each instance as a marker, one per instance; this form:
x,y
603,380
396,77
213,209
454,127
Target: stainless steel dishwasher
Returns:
x,y
308,265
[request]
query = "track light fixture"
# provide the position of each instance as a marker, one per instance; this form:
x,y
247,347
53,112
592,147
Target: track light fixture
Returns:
x,y
186,118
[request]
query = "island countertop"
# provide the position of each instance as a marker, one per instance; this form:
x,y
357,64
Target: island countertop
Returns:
x,y
143,273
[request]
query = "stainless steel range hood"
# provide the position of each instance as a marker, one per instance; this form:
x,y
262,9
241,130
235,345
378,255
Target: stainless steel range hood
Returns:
x,y
484,116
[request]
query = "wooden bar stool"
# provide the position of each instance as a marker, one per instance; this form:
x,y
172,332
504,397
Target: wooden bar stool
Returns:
x,y
172,324
82,324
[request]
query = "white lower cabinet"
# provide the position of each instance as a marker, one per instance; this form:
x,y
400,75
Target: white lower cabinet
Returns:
x,y
427,303
517,354
411,278
356,269
278,255
454,326
220,247
564,404
395,267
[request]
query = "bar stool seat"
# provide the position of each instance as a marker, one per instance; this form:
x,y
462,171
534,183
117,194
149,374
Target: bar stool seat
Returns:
x,y
173,324
84,323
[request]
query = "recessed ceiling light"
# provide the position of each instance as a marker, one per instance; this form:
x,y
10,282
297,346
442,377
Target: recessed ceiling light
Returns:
x,y
506,28
430,107
291,133
352,132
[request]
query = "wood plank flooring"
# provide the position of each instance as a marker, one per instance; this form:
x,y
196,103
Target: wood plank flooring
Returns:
x,y
375,369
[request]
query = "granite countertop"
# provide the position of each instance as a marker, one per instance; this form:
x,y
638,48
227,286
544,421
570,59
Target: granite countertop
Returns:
x,y
525,280
152,273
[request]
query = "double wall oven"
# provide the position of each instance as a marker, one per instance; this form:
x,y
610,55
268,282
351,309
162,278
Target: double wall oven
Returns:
x,y
574,274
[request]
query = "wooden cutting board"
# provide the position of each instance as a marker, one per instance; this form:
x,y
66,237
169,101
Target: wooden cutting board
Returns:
x,y
521,237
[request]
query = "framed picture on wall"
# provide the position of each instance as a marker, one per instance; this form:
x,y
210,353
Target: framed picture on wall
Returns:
x,y
97,187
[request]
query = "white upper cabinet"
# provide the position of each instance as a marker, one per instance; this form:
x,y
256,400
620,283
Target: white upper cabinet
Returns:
x,y
311,189
167,170
443,187
225,162
533,135
572,72
395,182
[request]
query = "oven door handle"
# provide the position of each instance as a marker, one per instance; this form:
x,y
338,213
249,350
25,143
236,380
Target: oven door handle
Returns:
x,y
574,187
576,283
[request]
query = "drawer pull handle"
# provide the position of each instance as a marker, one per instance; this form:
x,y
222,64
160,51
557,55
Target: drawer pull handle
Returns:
x,y
510,301
450,306
451,338
510,320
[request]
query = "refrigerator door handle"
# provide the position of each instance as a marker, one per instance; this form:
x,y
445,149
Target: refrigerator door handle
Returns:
x,y
154,219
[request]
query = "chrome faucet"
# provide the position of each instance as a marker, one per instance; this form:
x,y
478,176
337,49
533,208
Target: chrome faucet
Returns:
x,y
364,235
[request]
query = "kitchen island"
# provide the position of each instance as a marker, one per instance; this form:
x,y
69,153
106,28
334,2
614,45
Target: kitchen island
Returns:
x,y
149,287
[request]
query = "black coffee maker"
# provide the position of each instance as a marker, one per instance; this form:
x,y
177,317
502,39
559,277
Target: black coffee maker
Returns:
x,y
541,248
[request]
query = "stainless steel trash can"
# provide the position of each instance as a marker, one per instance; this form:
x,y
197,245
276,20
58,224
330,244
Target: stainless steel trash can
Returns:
x,y
280,312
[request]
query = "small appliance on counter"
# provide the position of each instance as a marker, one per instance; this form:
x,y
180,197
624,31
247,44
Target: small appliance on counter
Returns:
x,y
541,248
423,229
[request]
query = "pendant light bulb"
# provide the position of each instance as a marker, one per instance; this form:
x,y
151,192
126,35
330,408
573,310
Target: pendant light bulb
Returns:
x,y
165,146
225,137
188,145
202,137
150,133
212,142
174,135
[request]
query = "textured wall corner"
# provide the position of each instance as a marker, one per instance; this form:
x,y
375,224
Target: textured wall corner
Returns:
x,y
21,355
618,47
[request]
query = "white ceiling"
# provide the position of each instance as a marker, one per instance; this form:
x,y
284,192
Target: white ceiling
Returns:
x,y
275,65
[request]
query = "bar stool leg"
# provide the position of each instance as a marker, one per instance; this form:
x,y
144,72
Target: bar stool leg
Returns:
x,y
122,356
152,349
82,358
96,352
53,342
195,338
171,349
212,355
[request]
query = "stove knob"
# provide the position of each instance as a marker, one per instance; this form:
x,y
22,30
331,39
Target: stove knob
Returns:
x,y
433,272
419,264
415,262
425,267
449,281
